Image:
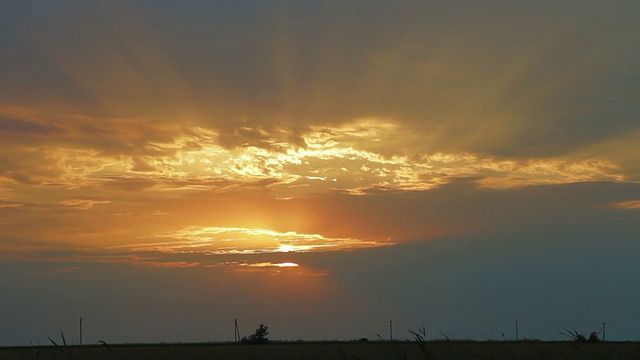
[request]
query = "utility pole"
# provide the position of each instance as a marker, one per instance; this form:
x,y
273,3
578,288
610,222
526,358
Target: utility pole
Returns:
x,y
517,331
390,330
236,335
80,329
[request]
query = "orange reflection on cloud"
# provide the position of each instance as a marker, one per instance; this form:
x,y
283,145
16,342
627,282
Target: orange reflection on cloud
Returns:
x,y
632,204
551,172
271,268
234,240
10,205
358,157
83,204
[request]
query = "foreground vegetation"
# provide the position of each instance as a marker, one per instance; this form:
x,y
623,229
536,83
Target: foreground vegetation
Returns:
x,y
373,350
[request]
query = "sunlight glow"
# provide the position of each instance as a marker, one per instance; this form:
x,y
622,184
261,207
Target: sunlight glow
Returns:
x,y
286,248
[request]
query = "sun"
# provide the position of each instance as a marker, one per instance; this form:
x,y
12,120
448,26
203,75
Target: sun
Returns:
x,y
286,248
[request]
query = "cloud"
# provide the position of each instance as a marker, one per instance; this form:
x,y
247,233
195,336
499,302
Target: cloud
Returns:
x,y
16,126
631,204
10,205
83,204
338,153
15,173
532,91
296,108
78,258
220,240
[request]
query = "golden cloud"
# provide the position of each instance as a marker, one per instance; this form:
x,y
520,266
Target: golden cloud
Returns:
x,y
346,158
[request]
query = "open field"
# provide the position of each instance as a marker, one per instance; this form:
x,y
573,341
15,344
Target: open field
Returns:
x,y
332,350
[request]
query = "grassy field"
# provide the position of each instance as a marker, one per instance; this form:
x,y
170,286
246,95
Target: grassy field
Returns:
x,y
333,350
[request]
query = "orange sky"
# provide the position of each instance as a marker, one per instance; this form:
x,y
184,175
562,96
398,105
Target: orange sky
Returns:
x,y
228,139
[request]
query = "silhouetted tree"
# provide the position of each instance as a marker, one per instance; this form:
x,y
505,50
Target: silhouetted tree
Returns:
x,y
259,336
593,337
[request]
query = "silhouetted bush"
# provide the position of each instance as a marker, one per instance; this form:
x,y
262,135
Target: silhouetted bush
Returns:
x,y
575,335
581,338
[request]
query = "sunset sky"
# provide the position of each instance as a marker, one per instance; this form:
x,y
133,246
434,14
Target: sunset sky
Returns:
x,y
319,167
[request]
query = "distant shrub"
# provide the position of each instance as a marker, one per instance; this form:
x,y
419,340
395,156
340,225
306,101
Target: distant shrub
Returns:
x,y
593,338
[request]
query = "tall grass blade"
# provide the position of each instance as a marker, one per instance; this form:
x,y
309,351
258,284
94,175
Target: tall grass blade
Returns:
x,y
445,336
105,345
53,342
64,341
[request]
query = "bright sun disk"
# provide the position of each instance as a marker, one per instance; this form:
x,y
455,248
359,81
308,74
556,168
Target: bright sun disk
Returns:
x,y
286,248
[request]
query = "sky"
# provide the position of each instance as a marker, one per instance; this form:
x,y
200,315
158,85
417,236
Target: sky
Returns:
x,y
320,167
